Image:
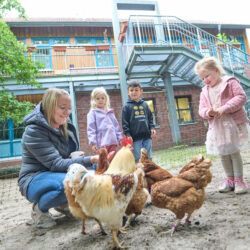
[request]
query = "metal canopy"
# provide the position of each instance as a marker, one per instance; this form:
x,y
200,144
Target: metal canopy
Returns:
x,y
155,61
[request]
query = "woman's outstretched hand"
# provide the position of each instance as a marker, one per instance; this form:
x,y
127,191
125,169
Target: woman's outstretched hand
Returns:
x,y
94,159
76,154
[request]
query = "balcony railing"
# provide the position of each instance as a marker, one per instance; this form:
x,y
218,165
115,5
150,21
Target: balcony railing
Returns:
x,y
65,59
144,30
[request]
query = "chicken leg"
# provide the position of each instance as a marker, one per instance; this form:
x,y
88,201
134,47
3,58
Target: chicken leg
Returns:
x,y
117,244
187,220
101,227
174,226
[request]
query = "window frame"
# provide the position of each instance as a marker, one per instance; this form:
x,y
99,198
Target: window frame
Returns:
x,y
9,130
98,53
155,119
48,47
190,109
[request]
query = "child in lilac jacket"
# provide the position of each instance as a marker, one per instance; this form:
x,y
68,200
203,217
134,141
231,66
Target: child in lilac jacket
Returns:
x,y
103,128
222,103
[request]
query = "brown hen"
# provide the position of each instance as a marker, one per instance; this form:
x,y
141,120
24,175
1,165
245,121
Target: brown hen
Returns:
x,y
182,194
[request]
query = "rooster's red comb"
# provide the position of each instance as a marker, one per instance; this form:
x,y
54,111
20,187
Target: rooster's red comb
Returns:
x,y
126,141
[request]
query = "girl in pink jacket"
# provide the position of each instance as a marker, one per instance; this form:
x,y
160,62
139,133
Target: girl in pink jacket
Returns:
x,y
222,104
103,128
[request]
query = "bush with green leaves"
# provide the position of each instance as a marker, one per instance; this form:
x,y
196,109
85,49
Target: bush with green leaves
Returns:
x,y
15,65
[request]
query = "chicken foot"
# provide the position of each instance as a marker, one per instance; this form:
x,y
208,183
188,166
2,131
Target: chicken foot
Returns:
x,y
177,223
122,230
174,226
130,220
117,244
102,231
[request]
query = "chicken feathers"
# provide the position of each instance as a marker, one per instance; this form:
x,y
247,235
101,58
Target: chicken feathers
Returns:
x,y
182,194
106,197
71,181
122,164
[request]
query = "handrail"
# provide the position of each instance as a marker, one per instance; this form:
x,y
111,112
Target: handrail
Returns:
x,y
74,59
170,31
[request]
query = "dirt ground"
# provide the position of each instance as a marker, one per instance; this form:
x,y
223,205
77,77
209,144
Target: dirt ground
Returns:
x,y
223,222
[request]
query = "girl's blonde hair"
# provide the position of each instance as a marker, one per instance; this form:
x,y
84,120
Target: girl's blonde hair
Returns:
x,y
208,63
49,104
95,93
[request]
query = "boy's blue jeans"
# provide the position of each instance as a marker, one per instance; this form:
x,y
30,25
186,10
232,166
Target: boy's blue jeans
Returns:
x,y
143,143
47,190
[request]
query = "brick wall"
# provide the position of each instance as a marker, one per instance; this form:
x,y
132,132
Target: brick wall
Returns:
x,y
10,162
191,134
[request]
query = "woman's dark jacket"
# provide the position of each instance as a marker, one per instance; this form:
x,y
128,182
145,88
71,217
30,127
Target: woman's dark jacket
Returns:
x,y
46,149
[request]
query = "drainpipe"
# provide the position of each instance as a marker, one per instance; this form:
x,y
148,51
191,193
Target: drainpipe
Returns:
x,y
170,100
11,135
73,105
118,44
160,38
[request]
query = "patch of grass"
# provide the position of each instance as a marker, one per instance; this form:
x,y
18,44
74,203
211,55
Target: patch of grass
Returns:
x,y
6,173
178,156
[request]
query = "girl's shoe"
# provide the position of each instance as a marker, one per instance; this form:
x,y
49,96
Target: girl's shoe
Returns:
x,y
240,186
227,185
40,219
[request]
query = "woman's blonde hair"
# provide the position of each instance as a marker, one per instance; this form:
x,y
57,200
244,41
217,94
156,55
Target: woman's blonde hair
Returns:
x,y
49,104
95,93
208,63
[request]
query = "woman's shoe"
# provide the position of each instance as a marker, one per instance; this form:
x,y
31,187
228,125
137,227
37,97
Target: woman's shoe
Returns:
x,y
64,210
40,219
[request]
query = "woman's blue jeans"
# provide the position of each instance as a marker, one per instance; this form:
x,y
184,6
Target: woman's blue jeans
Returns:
x,y
47,190
143,143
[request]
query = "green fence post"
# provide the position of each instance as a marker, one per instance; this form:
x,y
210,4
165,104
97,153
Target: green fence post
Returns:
x,y
11,135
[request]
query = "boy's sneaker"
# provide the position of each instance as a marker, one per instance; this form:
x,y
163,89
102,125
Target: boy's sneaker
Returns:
x,y
227,185
240,186
42,220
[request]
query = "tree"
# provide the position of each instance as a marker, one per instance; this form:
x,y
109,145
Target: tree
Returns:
x,y
8,5
14,64
12,108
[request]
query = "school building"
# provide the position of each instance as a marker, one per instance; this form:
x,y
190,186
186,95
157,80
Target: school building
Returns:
x,y
160,51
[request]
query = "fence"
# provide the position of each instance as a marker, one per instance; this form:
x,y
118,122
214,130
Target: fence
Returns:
x,y
74,59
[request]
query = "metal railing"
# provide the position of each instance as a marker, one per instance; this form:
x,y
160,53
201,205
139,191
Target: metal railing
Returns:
x,y
171,31
74,59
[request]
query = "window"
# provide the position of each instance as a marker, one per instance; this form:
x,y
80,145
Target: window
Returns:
x,y
151,104
103,58
9,129
43,57
43,53
49,40
91,40
84,40
184,109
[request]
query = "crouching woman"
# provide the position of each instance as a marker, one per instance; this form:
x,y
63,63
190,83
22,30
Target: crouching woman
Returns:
x,y
48,142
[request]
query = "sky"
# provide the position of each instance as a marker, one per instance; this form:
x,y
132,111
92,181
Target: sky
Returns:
x,y
225,11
